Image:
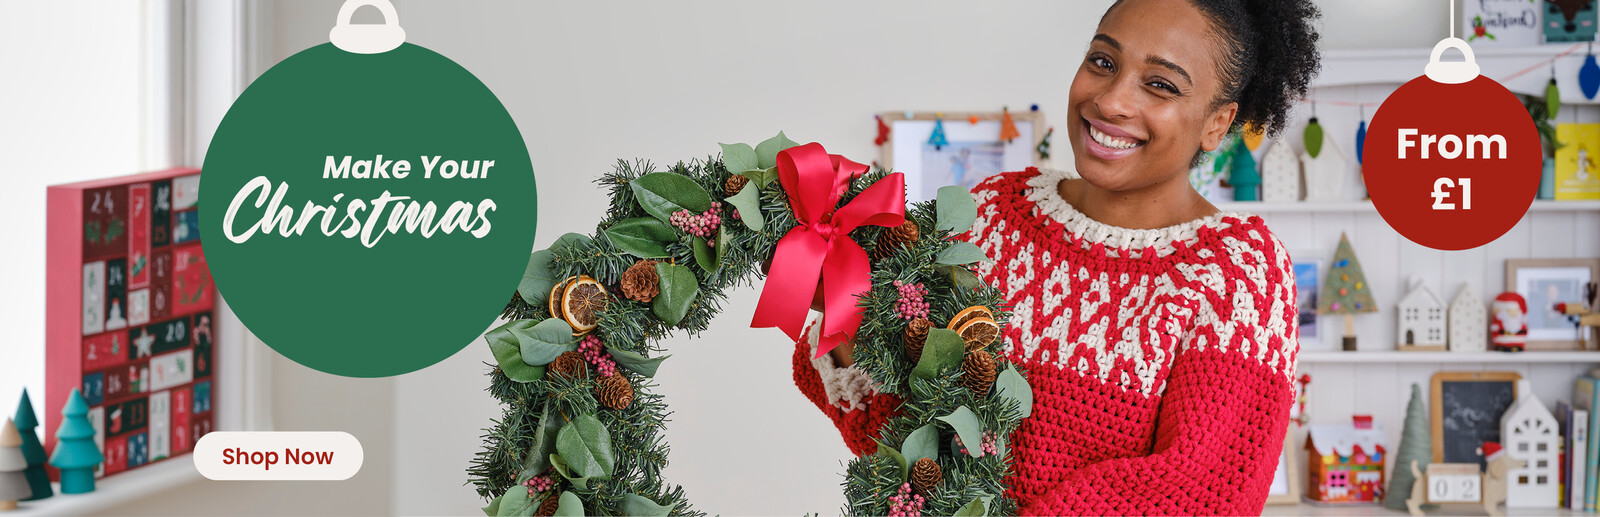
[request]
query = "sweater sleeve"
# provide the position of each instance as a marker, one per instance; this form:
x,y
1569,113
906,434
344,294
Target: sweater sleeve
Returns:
x,y
845,395
1225,407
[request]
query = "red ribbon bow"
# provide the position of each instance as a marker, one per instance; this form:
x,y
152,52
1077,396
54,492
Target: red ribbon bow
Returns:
x,y
821,246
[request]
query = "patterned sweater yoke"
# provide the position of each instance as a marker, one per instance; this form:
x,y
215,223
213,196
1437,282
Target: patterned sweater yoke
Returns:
x,y
1162,360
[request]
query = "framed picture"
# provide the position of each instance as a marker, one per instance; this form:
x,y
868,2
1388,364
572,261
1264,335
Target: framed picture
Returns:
x,y
974,150
1307,283
1285,487
1544,283
1465,411
1501,23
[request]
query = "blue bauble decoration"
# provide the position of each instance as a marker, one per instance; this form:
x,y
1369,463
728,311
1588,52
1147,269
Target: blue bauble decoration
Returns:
x,y
1361,140
1589,77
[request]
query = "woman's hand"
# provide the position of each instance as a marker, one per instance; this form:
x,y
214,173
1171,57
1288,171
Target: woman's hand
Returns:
x,y
843,355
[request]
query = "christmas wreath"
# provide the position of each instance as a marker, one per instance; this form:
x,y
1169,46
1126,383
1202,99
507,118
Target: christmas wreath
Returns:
x,y
581,432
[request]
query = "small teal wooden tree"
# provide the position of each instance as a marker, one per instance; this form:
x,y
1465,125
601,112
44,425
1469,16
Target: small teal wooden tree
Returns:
x,y
32,450
1242,173
76,454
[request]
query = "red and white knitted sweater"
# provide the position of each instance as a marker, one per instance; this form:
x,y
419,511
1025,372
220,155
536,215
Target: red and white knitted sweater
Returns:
x,y
1161,360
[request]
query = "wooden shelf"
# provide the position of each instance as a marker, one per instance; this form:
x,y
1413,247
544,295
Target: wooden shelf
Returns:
x,y
1356,207
112,491
1394,356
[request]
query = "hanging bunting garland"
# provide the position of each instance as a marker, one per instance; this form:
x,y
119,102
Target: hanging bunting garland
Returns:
x,y
1252,136
938,140
883,132
1313,137
1044,144
1589,76
1008,127
1552,95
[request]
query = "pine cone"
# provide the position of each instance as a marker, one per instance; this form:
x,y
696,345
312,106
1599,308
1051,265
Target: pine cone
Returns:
x,y
735,183
552,500
925,475
640,282
978,371
893,239
614,392
916,336
570,364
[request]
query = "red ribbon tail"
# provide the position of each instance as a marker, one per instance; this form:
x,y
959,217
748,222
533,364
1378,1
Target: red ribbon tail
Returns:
x,y
846,274
786,295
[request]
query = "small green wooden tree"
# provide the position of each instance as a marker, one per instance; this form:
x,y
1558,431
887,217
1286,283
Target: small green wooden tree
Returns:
x,y
1415,445
32,450
76,454
1346,291
13,483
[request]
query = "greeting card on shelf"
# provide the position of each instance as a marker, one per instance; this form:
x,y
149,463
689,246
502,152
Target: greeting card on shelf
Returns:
x,y
129,315
1576,176
1502,23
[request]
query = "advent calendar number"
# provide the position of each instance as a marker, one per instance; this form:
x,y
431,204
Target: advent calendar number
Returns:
x,y
1440,194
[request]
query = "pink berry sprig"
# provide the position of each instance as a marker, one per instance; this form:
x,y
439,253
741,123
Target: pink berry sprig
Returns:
x,y
991,444
538,484
911,304
703,225
595,352
905,503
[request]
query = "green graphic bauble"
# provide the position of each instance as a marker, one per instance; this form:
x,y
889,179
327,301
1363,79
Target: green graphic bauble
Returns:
x,y
365,214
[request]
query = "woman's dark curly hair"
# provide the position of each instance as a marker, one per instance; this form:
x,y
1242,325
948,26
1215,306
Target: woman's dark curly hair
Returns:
x,y
1269,56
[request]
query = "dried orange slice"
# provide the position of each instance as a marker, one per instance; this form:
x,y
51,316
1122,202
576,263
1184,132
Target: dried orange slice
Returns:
x,y
967,314
581,303
556,292
979,332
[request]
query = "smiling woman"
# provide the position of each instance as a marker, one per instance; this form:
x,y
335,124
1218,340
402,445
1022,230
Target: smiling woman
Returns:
x,y
1158,332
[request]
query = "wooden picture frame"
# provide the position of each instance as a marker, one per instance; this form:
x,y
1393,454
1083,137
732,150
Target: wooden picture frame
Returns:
x,y
977,131
1536,302
1437,403
1291,472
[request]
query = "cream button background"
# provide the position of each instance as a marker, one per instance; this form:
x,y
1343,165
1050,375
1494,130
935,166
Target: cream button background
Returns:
x,y
347,456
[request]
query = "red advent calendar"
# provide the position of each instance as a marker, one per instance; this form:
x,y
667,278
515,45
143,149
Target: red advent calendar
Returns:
x,y
129,315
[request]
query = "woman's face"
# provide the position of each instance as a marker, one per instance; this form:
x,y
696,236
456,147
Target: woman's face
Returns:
x,y
1141,104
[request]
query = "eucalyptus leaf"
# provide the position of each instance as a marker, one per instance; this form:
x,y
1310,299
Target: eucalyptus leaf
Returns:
x,y
571,240
543,342
748,202
579,482
956,211
967,426
515,503
679,288
643,237
739,157
569,506
544,443
508,353
662,193
537,279
943,349
1011,385
921,443
585,444
722,243
705,256
768,150
761,177
960,253
898,458
635,504
636,362
961,276
974,508
493,509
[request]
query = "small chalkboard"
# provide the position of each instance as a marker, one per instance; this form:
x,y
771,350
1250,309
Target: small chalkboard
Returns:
x,y
1466,409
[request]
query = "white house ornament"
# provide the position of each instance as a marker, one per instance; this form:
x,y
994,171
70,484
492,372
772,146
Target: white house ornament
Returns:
x,y
1468,316
1528,432
1325,173
1422,318
1280,173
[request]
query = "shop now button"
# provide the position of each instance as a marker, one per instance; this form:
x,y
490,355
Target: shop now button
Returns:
x,y
278,456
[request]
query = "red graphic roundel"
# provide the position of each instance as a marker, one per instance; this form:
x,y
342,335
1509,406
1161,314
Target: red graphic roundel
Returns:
x,y
1452,166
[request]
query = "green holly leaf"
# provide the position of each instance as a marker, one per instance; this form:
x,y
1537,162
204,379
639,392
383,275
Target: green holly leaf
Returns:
x,y
966,424
537,279
508,354
960,253
585,444
662,193
739,157
921,443
515,503
679,288
767,151
955,209
895,455
748,202
544,443
579,482
635,504
570,506
635,362
643,237
1011,385
973,508
943,349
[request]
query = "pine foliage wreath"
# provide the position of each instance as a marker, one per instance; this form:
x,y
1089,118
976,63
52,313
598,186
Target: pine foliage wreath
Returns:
x,y
581,431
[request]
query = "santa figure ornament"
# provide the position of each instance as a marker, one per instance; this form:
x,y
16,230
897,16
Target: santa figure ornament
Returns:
x,y
1509,329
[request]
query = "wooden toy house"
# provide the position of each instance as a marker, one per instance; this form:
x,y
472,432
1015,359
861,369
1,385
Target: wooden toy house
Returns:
x,y
1346,462
1528,432
1422,321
